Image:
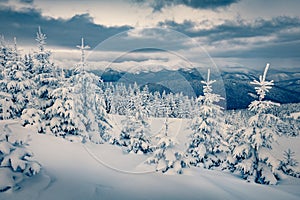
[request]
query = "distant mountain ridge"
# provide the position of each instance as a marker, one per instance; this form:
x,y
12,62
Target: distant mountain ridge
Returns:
x,y
188,81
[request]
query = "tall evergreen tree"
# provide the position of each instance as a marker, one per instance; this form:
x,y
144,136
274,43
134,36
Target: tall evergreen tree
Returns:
x,y
157,105
90,106
252,156
79,107
43,73
207,144
45,82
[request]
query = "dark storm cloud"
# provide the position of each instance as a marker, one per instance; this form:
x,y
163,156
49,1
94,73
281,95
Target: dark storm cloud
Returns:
x,y
286,30
23,24
242,29
157,5
269,50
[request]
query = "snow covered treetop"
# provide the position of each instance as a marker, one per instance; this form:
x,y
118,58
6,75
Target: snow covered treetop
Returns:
x,y
41,39
209,97
207,88
263,86
16,51
82,48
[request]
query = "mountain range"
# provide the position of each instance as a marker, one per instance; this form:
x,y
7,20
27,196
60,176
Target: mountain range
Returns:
x,y
233,85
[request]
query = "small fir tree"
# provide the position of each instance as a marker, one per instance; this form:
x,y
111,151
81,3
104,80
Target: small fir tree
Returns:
x,y
165,155
135,133
289,163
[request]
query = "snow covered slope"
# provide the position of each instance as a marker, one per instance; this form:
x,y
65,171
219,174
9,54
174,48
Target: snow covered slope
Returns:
x,y
72,170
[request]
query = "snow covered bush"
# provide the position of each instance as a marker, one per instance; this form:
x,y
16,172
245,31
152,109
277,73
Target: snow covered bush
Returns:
x,y
252,156
7,106
289,163
33,116
207,145
16,161
165,155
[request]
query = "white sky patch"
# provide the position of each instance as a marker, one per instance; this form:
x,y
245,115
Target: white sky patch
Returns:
x,y
243,43
266,9
140,33
131,61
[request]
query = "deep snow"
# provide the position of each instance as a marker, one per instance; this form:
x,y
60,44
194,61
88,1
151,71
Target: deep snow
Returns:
x,y
72,170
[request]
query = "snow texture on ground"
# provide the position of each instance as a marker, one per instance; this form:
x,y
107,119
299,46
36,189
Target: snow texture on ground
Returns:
x,y
73,170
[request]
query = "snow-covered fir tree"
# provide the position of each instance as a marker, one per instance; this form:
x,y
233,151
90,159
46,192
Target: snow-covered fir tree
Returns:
x,y
29,63
15,85
62,114
88,104
5,53
118,99
288,126
184,106
78,111
108,97
165,154
134,136
252,156
145,98
232,132
289,163
157,105
16,161
75,103
207,145
6,103
43,73
45,82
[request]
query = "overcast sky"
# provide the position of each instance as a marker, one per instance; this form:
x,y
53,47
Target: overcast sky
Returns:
x,y
234,32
